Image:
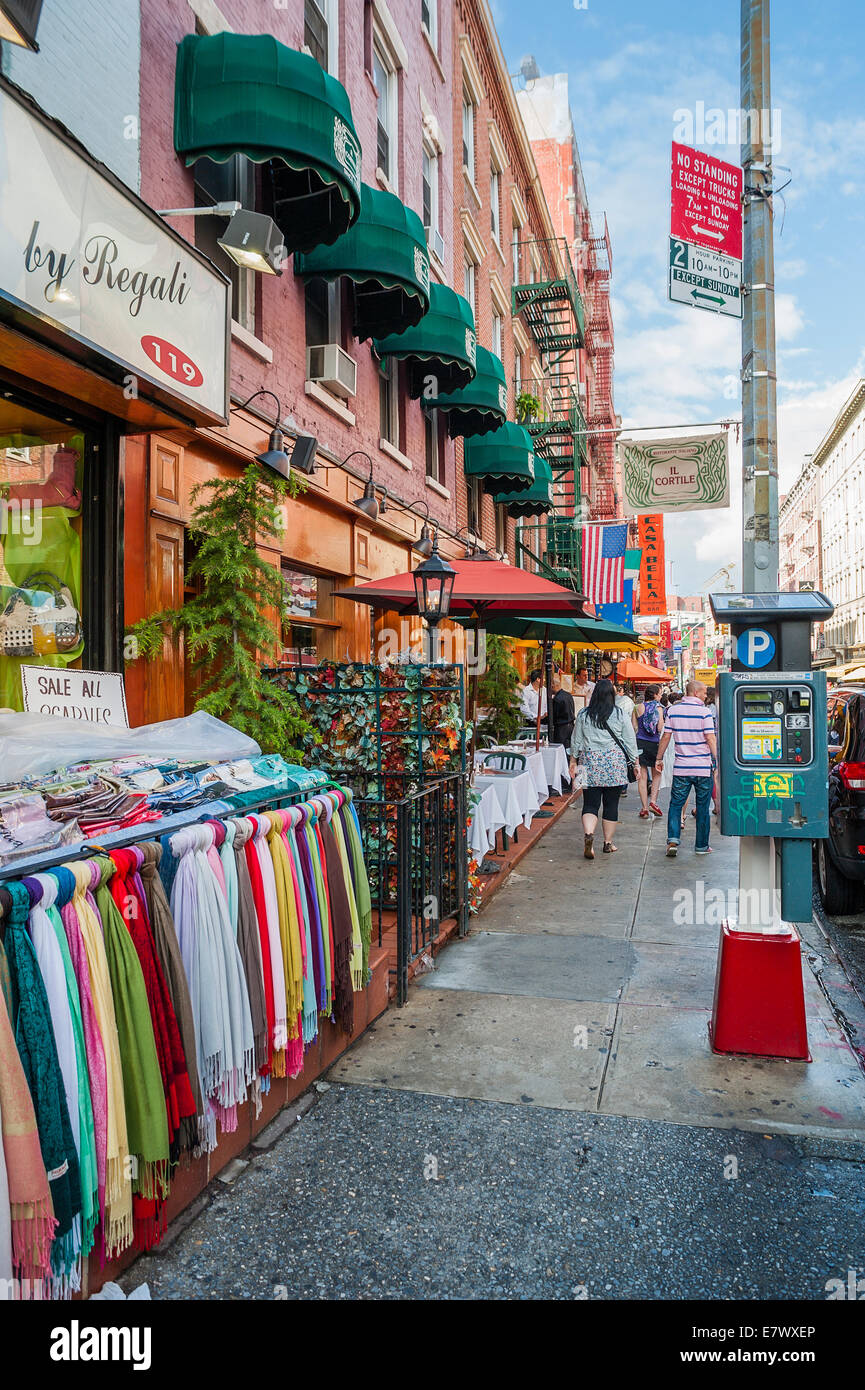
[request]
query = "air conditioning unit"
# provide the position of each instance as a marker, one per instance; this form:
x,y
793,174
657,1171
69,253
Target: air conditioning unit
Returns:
x,y
332,368
436,242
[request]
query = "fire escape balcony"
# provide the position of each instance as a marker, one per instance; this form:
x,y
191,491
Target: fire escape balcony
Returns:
x,y
550,302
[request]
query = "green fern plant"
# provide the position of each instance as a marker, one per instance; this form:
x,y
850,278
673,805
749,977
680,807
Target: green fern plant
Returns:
x,y
497,691
229,635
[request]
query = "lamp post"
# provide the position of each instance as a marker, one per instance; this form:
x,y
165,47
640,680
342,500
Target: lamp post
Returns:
x,y
433,586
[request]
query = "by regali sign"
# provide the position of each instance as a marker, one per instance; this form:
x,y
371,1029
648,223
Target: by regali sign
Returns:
x,y
91,697
676,475
78,250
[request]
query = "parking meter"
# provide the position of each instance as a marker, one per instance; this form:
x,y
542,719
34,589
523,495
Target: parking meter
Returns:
x,y
772,747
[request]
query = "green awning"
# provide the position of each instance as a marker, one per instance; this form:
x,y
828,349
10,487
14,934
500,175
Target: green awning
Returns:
x,y
502,459
534,500
482,405
385,254
248,94
440,348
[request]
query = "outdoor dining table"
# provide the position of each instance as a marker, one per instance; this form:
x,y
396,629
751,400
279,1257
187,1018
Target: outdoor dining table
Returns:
x,y
534,765
548,764
487,819
517,796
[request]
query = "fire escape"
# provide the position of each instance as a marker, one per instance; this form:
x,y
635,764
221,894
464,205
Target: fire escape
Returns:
x,y
599,348
552,309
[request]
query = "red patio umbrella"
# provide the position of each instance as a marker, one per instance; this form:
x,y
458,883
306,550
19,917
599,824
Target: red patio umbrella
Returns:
x,y
482,589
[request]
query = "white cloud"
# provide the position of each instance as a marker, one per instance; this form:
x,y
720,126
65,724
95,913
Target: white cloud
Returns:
x,y
791,270
788,317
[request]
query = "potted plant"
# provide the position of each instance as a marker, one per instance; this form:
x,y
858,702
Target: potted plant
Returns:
x,y
228,621
528,408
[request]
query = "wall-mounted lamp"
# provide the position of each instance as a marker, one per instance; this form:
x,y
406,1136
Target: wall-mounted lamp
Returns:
x,y
424,544
251,239
274,456
368,503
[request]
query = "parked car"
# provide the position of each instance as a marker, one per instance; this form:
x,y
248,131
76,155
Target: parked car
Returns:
x,y
841,857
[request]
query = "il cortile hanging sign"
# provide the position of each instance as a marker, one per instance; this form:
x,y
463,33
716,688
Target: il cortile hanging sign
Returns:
x,y
676,475
82,254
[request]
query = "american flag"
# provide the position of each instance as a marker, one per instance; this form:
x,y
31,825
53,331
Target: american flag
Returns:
x,y
604,561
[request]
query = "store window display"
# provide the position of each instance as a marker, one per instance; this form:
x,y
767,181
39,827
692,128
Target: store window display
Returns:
x,y
42,468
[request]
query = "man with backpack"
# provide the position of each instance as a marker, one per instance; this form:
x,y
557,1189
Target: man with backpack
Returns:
x,y
650,727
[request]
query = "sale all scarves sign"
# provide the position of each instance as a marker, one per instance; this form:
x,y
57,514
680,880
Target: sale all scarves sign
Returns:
x,y
676,475
653,592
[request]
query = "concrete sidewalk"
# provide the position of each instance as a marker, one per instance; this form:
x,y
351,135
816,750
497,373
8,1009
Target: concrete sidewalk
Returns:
x,y
578,990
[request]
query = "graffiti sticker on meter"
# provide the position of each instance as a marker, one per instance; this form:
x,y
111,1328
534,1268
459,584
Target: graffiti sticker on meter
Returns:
x,y
761,740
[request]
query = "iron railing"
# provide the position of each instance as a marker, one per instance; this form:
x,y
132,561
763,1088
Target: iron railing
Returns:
x,y
416,853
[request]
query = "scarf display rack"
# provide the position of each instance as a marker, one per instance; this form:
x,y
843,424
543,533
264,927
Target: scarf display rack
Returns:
x,y
150,984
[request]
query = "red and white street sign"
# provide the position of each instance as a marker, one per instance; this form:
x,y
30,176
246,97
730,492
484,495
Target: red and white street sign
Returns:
x,y
706,203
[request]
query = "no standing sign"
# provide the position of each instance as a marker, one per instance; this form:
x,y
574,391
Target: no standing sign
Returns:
x,y
706,201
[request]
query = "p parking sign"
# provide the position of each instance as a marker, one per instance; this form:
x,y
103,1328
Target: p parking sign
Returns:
x,y
754,648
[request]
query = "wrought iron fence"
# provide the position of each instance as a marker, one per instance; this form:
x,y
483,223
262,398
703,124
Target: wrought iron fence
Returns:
x,y
417,861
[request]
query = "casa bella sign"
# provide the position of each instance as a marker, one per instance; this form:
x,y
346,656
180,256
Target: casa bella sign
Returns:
x,y
79,250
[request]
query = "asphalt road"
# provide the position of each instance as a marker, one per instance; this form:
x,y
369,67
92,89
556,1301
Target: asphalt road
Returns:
x,y
380,1194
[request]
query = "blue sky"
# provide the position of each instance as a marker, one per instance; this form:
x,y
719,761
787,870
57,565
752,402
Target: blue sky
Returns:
x,y
632,65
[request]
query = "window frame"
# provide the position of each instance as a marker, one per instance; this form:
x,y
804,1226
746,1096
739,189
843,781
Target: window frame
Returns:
x,y
381,57
430,153
240,185
434,453
432,29
389,423
470,284
496,204
468,147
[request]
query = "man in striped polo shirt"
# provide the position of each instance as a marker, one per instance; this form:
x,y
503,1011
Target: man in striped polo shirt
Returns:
x,y
691,725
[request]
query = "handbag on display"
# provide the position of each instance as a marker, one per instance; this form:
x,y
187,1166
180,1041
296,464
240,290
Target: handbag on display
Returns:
x,y
40,618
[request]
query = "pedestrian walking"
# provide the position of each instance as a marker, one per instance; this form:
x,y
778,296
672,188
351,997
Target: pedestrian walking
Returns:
x,y
650,727
606,745
691,727
564,713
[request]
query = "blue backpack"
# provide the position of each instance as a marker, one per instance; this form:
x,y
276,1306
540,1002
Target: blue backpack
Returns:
x,y
647,722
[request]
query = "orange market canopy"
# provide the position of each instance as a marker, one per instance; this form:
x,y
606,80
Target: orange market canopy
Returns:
x,y
640,671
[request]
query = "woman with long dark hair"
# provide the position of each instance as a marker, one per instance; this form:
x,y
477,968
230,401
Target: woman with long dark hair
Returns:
x,y
606,745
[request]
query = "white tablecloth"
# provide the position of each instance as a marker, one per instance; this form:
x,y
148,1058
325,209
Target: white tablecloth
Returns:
x,y
535,765
487,818
555,765
517,796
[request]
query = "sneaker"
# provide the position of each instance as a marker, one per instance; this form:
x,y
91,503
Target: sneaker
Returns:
x,y
707,850
672,849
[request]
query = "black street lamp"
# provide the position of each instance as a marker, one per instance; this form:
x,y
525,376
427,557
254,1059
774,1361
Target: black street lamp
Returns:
x,y
433,586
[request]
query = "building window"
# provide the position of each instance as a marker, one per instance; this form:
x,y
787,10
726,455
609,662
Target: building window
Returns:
x,y
515,253
323,317
386,124
473,498
502,528
429,20
315,30
233,181
434,448
518,374
469,136
388,397
308,629
469,285
430,182
498,334
495,204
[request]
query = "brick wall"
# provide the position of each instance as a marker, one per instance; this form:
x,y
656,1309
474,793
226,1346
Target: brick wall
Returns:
x,y
86,75
280,321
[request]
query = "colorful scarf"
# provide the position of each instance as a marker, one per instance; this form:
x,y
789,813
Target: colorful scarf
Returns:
x,y
341,919
356,961
248,938
360,878
292,949
84,928
127,890
53,975
253,867
168,953
34,1036
310,1000
146,1123
87,1160
31,1211
271,912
